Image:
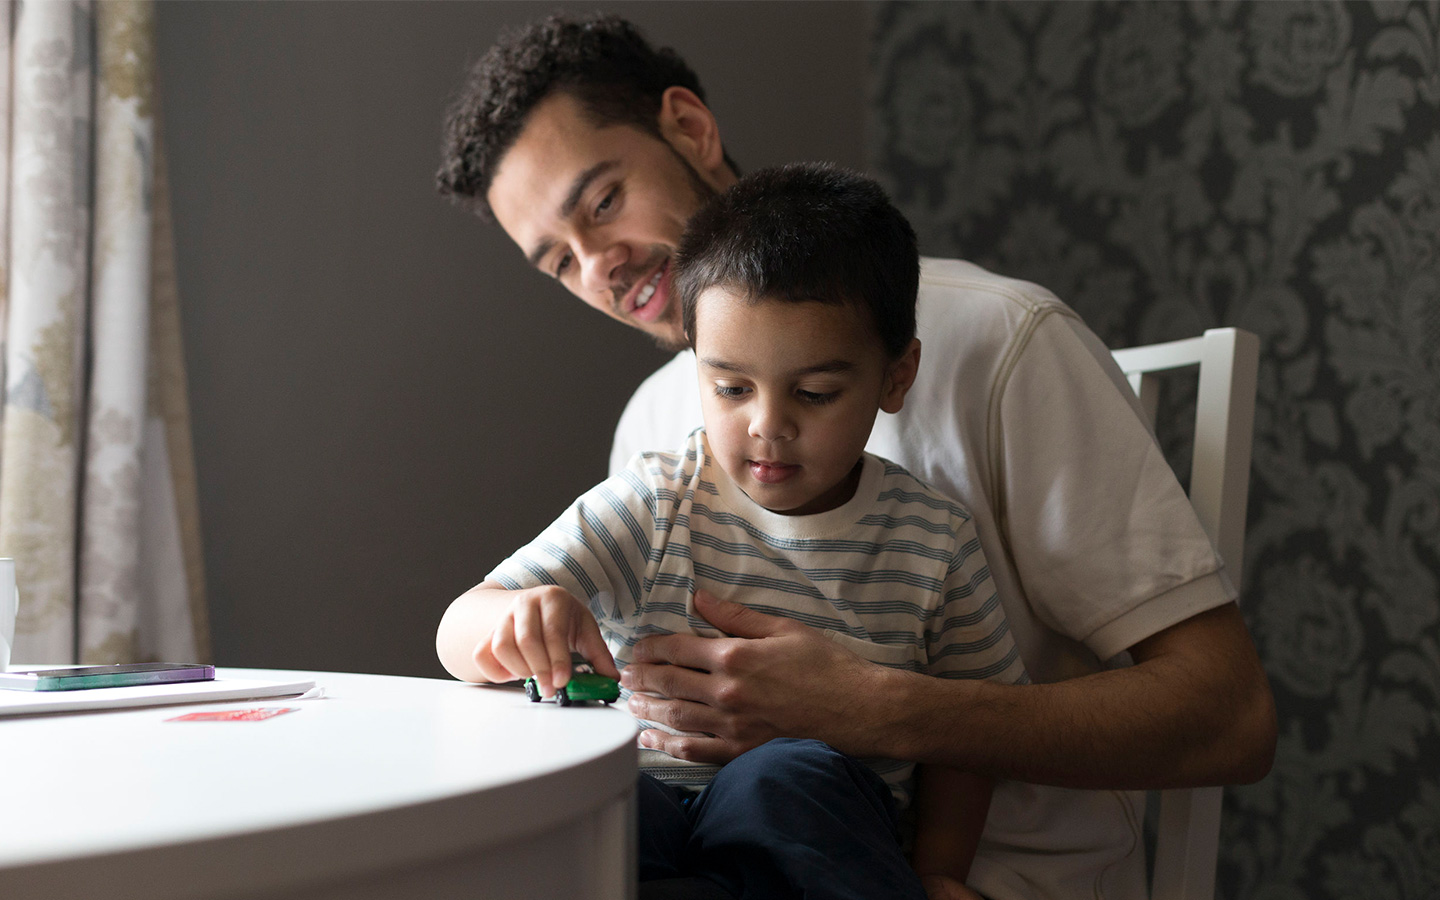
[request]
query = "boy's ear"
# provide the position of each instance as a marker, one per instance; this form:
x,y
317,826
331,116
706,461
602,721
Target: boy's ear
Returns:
x,y
689,126
899,378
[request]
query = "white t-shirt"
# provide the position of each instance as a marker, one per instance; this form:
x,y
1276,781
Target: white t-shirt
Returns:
x,y
1020,413
896,574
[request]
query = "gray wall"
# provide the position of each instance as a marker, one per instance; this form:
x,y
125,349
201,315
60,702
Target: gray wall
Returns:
x,y
386,400
1275,166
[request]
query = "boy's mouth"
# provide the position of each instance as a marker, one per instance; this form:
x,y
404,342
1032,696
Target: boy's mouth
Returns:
x,y
768,472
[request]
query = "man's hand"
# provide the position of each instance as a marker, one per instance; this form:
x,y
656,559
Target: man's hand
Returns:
x,y
535,635
774,678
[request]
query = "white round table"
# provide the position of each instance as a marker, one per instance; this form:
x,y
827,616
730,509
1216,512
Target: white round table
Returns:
x,y
387,787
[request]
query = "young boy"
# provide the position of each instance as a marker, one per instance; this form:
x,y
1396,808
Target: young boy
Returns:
x,y
798,289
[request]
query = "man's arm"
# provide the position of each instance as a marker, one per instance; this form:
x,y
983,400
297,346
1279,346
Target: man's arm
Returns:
x,y
1194,709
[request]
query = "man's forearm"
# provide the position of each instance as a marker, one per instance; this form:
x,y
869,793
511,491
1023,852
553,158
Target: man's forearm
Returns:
x,y
1195,709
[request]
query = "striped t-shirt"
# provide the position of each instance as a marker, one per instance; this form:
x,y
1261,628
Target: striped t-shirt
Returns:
x,y
895,575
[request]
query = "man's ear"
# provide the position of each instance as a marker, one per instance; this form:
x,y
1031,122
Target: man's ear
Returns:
x,y
689,126
899,378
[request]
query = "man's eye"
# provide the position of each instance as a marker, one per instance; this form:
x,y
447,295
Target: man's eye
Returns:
x,y
607,201
563,265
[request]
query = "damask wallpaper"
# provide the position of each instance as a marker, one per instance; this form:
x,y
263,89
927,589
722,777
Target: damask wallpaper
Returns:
x,y
1169,167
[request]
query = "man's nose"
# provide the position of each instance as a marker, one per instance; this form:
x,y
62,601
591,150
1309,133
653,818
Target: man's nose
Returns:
x,y
600,263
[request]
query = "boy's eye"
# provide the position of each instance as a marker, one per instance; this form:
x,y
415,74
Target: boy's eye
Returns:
x,y
816,398
730,392
563,265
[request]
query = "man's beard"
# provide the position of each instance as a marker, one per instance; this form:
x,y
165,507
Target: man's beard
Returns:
x,y
668,344
703,194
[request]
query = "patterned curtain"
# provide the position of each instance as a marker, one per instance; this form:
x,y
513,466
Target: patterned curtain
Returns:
x,y
97,488
1169,167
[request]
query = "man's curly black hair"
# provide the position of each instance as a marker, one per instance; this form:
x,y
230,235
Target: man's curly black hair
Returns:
x,y
602,60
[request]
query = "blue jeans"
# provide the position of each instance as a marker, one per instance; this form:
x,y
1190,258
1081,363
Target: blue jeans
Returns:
x,y
791,818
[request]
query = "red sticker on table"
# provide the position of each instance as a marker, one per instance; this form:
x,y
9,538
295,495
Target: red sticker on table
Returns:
x,y
236,715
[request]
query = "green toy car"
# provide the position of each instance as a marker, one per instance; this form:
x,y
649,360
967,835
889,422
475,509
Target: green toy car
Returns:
x,y
584,684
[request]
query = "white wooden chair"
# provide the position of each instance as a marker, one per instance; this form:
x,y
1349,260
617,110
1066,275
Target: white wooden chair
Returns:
x,y
1187,835
1188,829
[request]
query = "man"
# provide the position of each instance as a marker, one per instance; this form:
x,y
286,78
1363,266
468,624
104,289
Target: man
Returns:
x,y
591,150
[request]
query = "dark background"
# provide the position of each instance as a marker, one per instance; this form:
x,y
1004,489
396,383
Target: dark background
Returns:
x,y
386,400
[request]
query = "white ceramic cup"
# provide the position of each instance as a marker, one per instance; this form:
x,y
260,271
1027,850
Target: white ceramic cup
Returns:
x,y
9,606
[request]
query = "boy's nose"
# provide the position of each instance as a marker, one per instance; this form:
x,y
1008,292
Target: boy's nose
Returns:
x,y
772,422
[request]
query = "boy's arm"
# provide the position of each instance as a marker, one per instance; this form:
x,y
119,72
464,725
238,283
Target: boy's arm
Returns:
x,y
491,634
596,548
950,809
969,638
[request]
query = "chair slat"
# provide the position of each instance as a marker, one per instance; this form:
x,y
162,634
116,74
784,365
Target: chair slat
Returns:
x,y
1188,836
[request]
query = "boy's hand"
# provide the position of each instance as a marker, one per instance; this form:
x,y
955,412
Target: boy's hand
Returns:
x,y
535,636
943,887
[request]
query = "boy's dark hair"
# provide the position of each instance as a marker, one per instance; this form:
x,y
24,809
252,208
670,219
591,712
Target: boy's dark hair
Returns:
x,y
804,232
601,60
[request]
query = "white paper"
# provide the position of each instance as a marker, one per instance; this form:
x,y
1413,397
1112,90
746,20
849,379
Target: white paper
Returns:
x,y
23,703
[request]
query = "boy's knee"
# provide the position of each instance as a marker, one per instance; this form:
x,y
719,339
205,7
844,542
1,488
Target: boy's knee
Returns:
x,y
794,749
788,763
789,787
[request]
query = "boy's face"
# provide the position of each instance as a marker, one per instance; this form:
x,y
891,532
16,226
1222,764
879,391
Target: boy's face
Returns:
x,y
601,210
789,392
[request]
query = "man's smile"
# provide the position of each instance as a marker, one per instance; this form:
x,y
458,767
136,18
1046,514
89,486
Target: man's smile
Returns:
x,y
637,302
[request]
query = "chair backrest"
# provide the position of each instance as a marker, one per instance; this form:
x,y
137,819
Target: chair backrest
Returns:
x,y
1187,835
